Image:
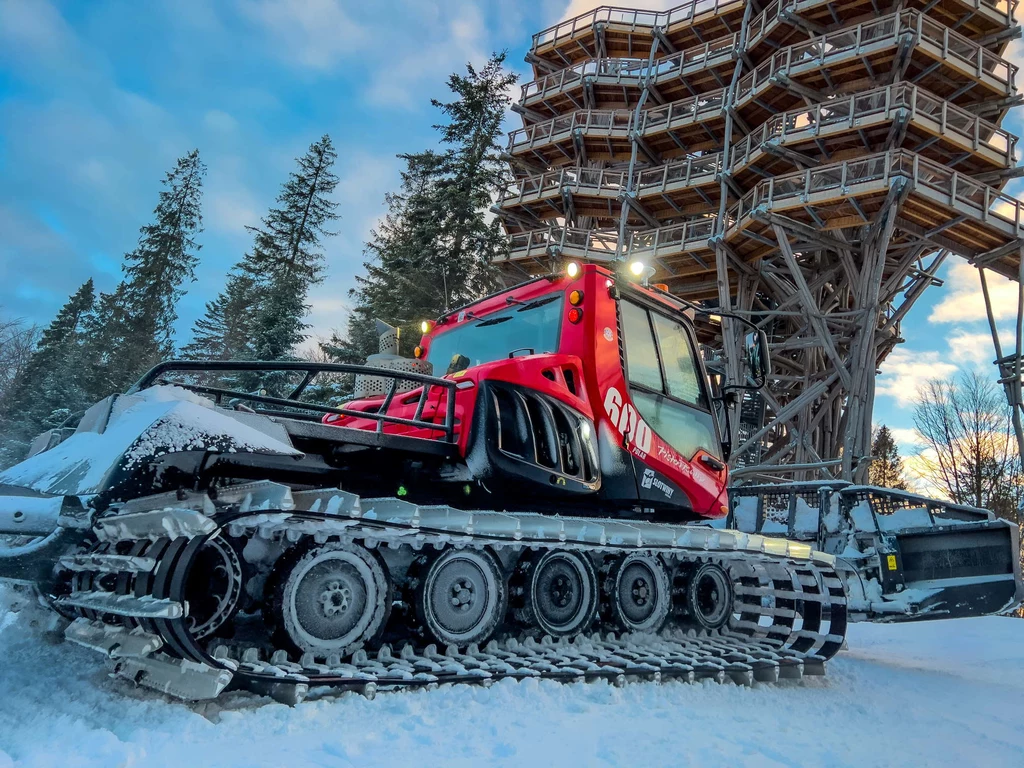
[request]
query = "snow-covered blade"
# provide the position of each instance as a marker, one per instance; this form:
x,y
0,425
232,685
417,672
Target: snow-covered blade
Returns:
x,y
126,432
904,557
44,500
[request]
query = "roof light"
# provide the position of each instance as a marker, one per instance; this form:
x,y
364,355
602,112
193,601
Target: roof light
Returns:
x,y
637,268
425,326
572,269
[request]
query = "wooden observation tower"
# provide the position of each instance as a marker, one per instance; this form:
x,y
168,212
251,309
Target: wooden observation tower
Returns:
x,y
808,164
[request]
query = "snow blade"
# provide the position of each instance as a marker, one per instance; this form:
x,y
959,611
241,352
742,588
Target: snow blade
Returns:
x,y
122,435
903,557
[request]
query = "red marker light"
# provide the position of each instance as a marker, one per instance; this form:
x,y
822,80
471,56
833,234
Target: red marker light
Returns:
x,y
575,315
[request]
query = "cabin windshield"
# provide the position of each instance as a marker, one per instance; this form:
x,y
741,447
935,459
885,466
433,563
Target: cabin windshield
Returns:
x,y
529,328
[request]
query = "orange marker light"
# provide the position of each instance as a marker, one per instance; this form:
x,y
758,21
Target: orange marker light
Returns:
x,y
418,352
575,298
575,315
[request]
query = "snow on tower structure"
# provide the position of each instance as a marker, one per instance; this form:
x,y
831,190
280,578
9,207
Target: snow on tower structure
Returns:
x,y
807,163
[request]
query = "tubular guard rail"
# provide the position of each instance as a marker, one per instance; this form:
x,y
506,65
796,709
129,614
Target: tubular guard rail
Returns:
x,y
156,375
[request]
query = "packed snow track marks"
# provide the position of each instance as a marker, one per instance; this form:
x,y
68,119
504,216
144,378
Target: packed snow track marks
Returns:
x,y
941,693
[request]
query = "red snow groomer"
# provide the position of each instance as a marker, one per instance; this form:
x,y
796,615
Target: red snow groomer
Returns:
x,y
528,496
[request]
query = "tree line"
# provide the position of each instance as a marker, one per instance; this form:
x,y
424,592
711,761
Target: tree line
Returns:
x,y
432,251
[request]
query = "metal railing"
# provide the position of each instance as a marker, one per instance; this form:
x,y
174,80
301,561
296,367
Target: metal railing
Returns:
x,y
874,173
632,18
809,121
855,111
850,42
983,203
617,122
852,112
601,245
635,19
620,70
588,244
600,182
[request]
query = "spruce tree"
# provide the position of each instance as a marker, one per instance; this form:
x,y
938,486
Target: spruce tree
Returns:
x,y
223,332
434,250
259,316
52,386
135,327
472,170
887,468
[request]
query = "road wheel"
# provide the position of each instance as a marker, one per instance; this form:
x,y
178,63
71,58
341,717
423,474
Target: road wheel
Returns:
x,y
329,599
561,593
638,593
463,597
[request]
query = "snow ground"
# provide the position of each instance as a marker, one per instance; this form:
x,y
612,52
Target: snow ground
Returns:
x,y
943,693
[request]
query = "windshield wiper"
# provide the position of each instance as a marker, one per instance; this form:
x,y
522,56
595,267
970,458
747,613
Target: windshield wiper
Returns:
x,y
538,303
492,321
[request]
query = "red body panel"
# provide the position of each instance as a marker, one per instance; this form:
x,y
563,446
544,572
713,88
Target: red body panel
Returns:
x,y
589,350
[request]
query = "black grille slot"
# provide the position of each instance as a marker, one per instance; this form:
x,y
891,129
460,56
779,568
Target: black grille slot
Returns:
x,y
544,432
542,427
956,554
570,380
514,434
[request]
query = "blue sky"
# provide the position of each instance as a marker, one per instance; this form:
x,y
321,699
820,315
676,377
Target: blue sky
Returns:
x,y
98,98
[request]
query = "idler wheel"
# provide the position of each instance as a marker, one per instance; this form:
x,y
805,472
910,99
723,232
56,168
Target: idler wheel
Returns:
x,y
214,587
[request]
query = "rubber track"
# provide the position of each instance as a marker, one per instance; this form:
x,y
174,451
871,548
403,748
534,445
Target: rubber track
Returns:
x,y
765,644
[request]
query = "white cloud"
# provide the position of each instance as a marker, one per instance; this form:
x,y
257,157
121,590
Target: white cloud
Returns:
x,y
904,372
964,301
906,439
974,348
36,27
311,33
231,211
433,42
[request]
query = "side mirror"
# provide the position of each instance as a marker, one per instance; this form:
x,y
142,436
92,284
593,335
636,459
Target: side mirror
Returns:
x,y
758,357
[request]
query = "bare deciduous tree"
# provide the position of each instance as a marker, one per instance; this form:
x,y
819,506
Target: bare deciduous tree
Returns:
x,y
970,451
17,342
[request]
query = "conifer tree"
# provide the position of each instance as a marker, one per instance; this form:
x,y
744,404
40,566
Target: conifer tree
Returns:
x,y
434,249
53,383
135,327
223,332
259,316
472,170
887,468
